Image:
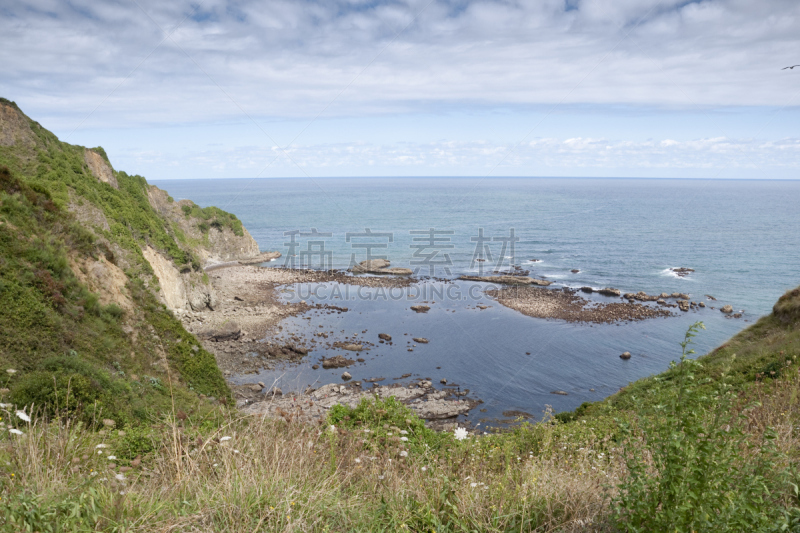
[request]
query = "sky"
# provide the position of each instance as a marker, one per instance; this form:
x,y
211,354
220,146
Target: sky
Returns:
x,y
303,88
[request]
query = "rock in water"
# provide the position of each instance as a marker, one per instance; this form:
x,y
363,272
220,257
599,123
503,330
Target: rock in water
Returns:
x,y
421,340
559,392
609,291
420,308
625,355
727,309
337,361
384,336
346,376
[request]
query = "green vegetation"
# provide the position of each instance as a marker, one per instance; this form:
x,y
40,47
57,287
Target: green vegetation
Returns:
x,y
72,355
212,217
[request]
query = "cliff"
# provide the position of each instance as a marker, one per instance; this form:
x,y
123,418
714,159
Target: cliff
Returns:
x,y
93,261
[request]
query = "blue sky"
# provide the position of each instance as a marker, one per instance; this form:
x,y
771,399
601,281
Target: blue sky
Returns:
x,y
215,89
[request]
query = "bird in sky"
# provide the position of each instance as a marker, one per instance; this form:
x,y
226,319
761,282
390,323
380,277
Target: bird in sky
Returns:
x,y
784,68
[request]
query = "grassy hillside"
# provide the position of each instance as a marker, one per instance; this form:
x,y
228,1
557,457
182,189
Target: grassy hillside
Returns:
x,y
129,430
112,354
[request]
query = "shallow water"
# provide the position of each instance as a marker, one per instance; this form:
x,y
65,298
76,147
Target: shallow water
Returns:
x,y
741,237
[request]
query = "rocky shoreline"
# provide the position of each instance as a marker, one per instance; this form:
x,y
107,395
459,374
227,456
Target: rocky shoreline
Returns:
x,y
567,305
244,332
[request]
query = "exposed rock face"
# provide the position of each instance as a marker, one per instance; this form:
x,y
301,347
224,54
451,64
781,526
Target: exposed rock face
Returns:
x,y
179,291
379,266
223,244
507,280
14,127
105,279
100,168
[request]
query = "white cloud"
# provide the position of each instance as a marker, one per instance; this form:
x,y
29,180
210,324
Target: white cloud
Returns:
x,y
291,59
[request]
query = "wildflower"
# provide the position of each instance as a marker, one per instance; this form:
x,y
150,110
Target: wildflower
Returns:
x,y
11,371
15,431
403,453
225,438
381,477
235,451
404,439
424,468
101,446
5,405
120,477
111,457
403,432
473,485
23,416
357,460
332,429
460,433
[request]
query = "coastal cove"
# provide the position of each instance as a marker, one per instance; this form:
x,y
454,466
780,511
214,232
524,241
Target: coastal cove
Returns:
x,y
511,362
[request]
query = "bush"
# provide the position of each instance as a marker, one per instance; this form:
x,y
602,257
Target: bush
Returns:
x,y
691,467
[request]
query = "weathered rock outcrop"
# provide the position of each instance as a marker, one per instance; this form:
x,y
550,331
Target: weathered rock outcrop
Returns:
x,y
507,280
220,243
379,266
14,127
100,168
179,291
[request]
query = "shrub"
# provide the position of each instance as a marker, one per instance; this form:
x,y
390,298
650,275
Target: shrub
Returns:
x,y
691,467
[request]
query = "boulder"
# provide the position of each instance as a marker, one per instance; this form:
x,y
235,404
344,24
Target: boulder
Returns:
x,y
420,308
575,270
379,266
702,304
421,340
337,361
587,290
559,392
625,355
229,331
727,309
609,291
346,376
384,336
507,280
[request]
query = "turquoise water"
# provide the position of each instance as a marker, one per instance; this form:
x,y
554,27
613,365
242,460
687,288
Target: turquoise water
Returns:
x,y
741,237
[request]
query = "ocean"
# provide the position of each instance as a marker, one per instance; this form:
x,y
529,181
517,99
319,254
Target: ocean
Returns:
x,y
742,238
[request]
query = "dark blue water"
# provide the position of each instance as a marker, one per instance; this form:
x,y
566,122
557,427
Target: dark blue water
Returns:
x,y
741,237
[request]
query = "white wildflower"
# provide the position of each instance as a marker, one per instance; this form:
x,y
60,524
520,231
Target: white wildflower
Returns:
x,y
215,465
424,468
235,451
5,405
460,433
120,477
101,446
111,457
366,431
23,416
357,460
473,485
403,432
15,432
332,428
403,453
225,438
99,452
381,477
404,439
11,371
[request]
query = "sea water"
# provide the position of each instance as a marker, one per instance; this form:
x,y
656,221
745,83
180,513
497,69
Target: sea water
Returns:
x,y
742,238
